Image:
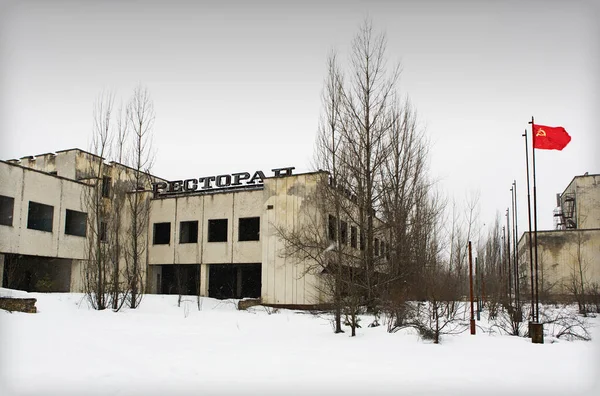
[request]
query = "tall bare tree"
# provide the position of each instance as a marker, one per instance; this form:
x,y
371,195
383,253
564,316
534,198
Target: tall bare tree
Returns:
x,y
141,115
378,191
404,191
367,99
117,237
327,150
96,269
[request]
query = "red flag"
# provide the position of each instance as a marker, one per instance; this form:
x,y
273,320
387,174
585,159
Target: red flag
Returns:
x,y
550,138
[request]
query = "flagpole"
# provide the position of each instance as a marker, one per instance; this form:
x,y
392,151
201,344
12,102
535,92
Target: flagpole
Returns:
x,y
512,240
503,263
508,263
516,252
529,235
537,291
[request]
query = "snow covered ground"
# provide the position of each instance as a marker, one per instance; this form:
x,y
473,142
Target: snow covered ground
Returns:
x,y
160,349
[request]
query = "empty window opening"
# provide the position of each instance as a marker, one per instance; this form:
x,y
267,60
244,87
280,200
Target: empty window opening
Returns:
x,y
181,279
217,230
7,206
353,232
234,280
376,247
362,241
36,273
162,234
332,228
75,223
249,229
106,186
344,232
188,232
40,216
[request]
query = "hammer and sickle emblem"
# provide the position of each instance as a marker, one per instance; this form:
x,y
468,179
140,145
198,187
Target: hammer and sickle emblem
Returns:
x,y
540,132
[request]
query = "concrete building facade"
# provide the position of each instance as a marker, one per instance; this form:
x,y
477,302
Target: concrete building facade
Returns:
x,y
571,252
220,233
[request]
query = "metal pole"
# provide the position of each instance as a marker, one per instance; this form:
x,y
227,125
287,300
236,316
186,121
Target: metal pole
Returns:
x,y
477,287
512,240
483,285
515,253
503,264
537,328
472,322
537,291
529,234
509,264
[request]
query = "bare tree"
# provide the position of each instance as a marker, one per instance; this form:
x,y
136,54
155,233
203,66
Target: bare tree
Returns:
x,y
117,238
492,276
367,100
96,269
327,152
141,115
403,191
441,311
378,191
320,241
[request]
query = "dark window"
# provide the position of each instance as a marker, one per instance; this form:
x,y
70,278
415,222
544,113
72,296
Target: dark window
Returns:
x,y
188,232
332,228
7,206
249,229
353,236
162,233
75,223
106,186
362,241
40,216
376,247
217,230
103,233
344,232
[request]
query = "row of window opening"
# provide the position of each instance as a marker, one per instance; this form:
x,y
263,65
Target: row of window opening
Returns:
x,y
40,217
248,230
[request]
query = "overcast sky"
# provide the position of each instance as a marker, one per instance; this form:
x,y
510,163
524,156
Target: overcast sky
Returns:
x,y
236,84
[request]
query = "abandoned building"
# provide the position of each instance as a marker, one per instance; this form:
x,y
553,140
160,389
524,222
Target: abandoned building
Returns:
x,y
570,254
214,236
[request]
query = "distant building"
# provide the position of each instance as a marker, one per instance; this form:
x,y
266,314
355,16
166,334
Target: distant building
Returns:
x,y
219,231
573,245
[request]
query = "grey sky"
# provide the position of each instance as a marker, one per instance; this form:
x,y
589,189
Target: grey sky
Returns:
x,y
236,84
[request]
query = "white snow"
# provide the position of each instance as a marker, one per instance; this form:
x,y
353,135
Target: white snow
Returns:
x,y
160,349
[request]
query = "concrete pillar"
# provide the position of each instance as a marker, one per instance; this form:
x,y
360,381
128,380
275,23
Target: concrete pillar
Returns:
x,y
204,280
154,277
1,270
77,276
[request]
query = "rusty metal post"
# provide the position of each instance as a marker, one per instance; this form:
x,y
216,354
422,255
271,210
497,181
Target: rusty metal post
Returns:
x,y
477,295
